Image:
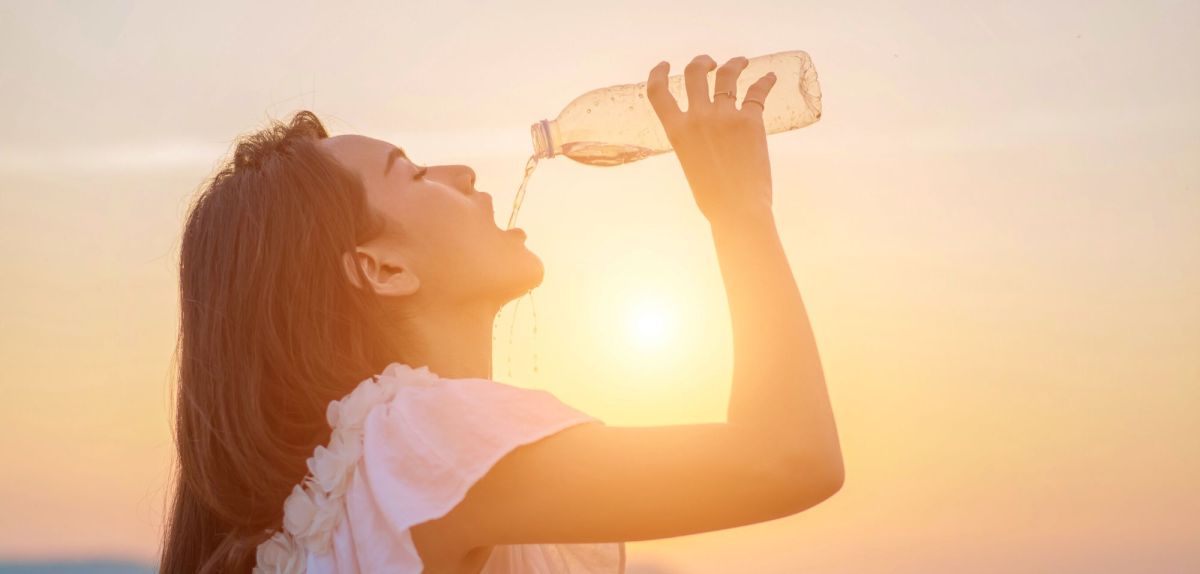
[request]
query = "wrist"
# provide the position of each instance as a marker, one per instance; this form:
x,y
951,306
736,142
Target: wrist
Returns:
x,y
749,216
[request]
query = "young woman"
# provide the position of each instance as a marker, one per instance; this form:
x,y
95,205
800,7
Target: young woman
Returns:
x,y
335,407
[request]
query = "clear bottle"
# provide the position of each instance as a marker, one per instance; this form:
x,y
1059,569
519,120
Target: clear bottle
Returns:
x,y
616,125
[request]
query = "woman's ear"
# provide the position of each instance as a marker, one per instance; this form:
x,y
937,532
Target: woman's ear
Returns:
x,y
386,273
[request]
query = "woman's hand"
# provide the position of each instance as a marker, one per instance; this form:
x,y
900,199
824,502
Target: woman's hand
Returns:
x,y
723,149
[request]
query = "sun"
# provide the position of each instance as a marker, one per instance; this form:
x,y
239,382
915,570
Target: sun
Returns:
x,y
650,326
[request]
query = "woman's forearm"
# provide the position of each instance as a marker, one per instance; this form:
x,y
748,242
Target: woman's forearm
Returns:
x,y
778,384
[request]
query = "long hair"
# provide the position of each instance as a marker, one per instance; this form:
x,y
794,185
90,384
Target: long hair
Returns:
x,y
271,330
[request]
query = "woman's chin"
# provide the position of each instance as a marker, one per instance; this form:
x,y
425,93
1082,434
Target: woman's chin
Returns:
x,y
522,276
532,272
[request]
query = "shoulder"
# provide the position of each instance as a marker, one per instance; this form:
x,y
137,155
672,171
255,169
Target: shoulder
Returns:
x,y
405,447
453,429
434,441
427,445
461,416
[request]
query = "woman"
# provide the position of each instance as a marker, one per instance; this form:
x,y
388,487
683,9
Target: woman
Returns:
x,y
335,407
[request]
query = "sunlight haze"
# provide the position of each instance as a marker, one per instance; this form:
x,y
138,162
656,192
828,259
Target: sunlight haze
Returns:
x,y
995,227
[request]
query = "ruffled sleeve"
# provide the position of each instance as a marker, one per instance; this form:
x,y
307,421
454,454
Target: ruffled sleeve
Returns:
x,y
423,450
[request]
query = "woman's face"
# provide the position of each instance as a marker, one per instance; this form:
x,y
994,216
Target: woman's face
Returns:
x,y
441,243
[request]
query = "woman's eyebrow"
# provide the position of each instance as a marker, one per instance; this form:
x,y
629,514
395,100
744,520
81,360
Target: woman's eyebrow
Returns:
x,y
391,158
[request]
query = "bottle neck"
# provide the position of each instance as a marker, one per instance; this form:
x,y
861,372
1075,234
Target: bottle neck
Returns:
x,y
546,140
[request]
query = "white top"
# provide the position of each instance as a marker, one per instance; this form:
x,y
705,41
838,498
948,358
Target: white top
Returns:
x,y
406,446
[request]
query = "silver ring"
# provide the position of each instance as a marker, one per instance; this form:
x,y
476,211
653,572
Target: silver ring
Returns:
x,y
750,101
725,93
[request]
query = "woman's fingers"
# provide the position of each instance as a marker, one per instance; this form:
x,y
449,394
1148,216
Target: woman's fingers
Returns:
x,y
756,94
723,151
660,97
695,77
726,83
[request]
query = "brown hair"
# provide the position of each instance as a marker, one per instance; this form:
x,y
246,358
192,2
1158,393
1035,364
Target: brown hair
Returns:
x,y
271,330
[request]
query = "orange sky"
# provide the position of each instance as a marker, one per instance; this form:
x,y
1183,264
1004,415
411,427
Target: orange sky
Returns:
x,y
995,227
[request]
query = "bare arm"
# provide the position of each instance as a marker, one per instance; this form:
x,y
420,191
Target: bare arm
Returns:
x,y
595,483
778,383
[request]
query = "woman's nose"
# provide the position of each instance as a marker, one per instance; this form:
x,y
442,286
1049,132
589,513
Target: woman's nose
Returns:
x,y
468,175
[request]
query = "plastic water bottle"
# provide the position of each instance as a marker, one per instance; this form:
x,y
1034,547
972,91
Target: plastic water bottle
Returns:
x,y
617,124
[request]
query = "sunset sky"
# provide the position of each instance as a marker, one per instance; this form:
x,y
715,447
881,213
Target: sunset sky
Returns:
x,y
995,227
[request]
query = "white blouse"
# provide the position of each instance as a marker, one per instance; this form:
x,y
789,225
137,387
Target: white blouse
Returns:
x,y
406,446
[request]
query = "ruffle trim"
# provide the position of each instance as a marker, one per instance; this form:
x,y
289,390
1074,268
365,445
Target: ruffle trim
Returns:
x,y
314,509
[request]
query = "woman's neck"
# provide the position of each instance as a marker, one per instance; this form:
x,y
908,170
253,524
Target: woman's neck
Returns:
x,y
455,343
